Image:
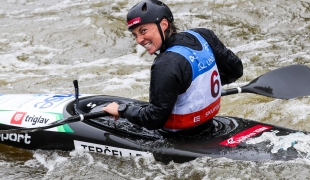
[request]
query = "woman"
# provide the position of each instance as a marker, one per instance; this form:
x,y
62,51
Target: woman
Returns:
x,y
186,76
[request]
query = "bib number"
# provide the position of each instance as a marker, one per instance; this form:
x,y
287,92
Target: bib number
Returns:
x,y
215,84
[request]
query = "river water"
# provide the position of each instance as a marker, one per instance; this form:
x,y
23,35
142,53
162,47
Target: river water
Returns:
x,y
46,44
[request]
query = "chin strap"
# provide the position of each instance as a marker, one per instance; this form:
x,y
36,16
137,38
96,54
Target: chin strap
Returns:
x,y
163,46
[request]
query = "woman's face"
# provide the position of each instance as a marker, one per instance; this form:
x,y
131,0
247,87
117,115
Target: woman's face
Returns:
x,y
148,36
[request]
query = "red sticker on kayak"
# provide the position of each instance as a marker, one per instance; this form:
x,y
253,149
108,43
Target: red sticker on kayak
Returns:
x,y
18,118
238,138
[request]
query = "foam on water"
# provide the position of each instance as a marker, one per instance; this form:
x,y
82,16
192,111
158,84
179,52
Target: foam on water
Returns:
x,y
300,141
49,161
93,165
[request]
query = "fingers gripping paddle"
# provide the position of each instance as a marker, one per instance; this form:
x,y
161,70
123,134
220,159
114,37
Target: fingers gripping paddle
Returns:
x,y
71,119
283,83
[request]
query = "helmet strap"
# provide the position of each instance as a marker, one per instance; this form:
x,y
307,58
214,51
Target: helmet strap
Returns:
x,y
163,46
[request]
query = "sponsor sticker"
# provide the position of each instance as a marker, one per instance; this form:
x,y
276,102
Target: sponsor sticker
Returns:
x,y
42,102
20,138
242,136
53,101
18,118
108,150
133,22
33,119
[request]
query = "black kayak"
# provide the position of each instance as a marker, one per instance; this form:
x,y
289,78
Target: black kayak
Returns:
x,y
68,122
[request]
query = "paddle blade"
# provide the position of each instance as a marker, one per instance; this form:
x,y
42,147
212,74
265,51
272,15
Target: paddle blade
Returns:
x,y
283,83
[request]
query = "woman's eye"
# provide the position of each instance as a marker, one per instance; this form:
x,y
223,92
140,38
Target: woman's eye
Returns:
x,y
143,31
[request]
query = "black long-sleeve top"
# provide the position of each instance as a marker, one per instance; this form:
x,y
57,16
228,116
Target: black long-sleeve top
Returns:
x,y
171,75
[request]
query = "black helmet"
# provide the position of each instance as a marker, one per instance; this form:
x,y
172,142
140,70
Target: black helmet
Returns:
x,y
148,11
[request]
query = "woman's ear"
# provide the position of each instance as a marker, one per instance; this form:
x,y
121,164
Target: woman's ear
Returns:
x,y
164,24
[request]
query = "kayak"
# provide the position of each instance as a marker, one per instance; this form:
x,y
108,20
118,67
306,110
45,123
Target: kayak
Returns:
x,y
121,138
75,122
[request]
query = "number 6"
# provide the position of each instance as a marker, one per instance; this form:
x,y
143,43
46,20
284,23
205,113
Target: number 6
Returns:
x,y
215,84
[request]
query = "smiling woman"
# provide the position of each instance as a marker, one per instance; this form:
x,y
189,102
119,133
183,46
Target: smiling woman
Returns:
x,y
186,75
148,36
150,13
44,45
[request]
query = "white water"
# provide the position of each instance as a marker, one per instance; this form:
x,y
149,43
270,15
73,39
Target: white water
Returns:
x,y
45,45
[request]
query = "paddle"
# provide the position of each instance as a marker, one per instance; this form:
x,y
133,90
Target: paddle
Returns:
x,y
71,119
284,83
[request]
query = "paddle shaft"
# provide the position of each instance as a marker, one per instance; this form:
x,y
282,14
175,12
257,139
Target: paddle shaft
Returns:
x,y
227,92
71,119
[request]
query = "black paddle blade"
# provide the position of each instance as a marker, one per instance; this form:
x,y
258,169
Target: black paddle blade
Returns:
x,y
283,83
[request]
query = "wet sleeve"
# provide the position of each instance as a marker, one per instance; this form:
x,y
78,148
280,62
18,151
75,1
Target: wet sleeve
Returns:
x,y
170,76
229,65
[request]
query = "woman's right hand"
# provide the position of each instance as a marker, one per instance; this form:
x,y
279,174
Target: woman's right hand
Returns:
x,y
112,109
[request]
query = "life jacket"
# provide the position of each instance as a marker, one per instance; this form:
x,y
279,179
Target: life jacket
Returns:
x,y
201,101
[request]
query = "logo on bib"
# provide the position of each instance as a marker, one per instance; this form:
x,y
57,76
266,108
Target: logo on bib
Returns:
x,y
197,119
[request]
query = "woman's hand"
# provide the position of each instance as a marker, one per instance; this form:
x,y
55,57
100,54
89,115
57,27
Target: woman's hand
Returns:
x,y
112,109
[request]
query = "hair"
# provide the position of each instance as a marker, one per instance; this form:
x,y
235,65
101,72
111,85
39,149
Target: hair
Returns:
x,y
171,29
